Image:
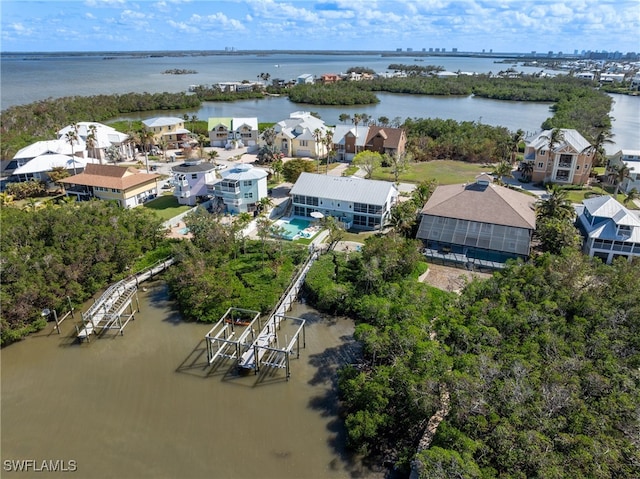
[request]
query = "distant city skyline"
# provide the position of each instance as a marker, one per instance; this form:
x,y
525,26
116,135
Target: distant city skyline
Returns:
x,y
377,25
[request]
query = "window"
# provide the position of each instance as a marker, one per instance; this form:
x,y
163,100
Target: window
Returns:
x,y
540,165
248,195
194,176
114,190
247,183
543,153
304,143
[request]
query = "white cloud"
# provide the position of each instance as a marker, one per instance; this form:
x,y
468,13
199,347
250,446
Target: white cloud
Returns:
x,y
183,27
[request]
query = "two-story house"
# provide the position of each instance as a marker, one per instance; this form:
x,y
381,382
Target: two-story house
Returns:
x,y
356,202
127,186
241,188
296,136
170,129
349,140
46,148
629,159
480,223
609,229
98,139
191,180
234,133
305,79
567,162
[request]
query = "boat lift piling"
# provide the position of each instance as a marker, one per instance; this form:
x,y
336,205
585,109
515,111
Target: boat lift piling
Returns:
x,y
222,340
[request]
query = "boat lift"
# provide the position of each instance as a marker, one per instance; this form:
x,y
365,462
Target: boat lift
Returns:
x,y
221,339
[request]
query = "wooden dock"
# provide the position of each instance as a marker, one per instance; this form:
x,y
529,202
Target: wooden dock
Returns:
x,y
267,337
114,308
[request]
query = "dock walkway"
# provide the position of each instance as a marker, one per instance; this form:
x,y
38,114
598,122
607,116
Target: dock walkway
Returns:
x,y
267,336
110,309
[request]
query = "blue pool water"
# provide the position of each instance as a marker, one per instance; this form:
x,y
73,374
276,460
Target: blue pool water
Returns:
x,y
293,227
183,231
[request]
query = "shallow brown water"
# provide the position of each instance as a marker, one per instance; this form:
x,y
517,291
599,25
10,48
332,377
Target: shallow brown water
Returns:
x,y
147,405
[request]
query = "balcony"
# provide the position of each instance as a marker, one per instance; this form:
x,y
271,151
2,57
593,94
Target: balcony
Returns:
x,y
232,201
180,183
566,166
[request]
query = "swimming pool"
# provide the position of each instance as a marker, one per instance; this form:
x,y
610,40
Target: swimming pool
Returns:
x,y
292,227
183,231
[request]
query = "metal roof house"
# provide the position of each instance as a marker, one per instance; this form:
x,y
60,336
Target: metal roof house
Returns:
x,y
356,202
569,162
609,229
241,188
479,223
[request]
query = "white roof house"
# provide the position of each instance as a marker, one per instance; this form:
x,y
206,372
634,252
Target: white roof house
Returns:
x,y
162,121
358,203
105,136
59,146
44,163
609,229
295,135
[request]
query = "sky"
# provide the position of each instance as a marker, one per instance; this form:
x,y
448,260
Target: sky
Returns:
x,y
377,25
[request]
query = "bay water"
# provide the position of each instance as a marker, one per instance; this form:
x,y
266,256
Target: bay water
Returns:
x,y
26,78
147,405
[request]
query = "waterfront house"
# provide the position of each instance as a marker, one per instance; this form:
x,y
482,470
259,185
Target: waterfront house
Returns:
x,y
38,168
628,159
296,135
241,188
102,142
191,180
305,79
231,133
170,129
480,223
43,148
609,229
127,186
329,78
349,140
568,162
356,202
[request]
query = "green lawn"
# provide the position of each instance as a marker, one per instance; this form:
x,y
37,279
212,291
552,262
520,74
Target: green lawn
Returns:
x,y
166,207
576,196
445,172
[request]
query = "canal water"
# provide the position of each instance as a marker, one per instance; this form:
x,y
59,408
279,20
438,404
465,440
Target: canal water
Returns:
x,y
146,405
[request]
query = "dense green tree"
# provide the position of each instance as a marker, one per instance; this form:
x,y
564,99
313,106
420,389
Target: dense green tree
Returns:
x,y
292,169
368,161
556,205
555,234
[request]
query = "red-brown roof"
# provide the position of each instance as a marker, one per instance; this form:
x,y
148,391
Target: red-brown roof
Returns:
x,y
392,136
110,176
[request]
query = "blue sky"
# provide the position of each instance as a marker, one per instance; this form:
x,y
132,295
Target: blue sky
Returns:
x,y
468,25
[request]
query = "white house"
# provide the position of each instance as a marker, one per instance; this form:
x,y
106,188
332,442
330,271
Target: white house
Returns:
x,y
241,188
39,167
609,229
305,79
356,202
631,160
190,180
98,139
43,148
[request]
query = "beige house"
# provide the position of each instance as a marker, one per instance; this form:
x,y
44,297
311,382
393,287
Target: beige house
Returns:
x,y
126,185
296,136
569,162
171,129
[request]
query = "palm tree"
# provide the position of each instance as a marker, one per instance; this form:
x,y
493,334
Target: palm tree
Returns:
x,y
604,137
632,195
516,139
162,143
555,138
328,141
264,204
556,205
502,170
526,168
92,141
356,120
344,117
618,175
71,137
317,136
213,154
58,173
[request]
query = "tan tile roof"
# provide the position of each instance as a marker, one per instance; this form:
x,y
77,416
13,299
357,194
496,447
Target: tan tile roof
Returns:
x,y
110,176
492,204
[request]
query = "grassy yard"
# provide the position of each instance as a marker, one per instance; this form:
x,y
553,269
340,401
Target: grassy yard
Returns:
x,y
166,207
445,172
576,196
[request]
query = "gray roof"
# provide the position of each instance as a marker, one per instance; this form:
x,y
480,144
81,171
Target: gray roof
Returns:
x,y
193,167
349,189
341,131
491,204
